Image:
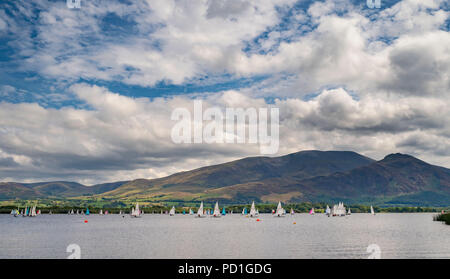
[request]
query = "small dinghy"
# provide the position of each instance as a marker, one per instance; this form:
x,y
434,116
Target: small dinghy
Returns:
x,y
201,211
172,211
216,212
280,212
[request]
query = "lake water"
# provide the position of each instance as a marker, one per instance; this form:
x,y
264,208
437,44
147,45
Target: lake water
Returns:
x,y
232,236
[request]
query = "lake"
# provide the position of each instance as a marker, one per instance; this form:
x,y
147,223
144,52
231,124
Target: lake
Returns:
x,y
408,235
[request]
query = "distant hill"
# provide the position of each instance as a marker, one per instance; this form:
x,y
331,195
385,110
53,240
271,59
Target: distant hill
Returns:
x,y
55,189
397,179
300,165
327,176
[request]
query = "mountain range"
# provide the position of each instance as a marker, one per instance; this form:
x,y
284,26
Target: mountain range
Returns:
x,y
315,176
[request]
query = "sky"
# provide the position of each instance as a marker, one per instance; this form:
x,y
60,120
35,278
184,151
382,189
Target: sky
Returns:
x,y
87,94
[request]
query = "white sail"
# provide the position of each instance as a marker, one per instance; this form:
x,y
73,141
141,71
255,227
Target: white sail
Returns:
x,y
101,212
136,212
292,211
33,211
201,212
216,212
172,211
253,211
372,211
339,210
191,212
280,211
349,212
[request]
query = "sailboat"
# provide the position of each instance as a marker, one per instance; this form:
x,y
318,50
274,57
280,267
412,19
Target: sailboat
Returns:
x,y
172,211
87,211
191,212
33,212
223,211
280,211
244,211
136,212
311,212
372,211
201,212
101,212
184,211
253,212
328,211
349,211
292,211
216,212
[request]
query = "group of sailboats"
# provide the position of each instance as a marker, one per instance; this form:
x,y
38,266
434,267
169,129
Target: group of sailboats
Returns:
x,y
202,213
337,210
78,212
27,212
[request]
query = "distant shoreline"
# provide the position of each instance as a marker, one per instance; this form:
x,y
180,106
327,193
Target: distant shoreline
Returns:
x,y
236,209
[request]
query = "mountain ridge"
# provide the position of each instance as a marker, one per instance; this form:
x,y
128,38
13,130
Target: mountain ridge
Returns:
x,y
297,177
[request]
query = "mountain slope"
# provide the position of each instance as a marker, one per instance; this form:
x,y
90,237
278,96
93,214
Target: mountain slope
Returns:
x,y
394,178
54,189
300,165
326,176
305,176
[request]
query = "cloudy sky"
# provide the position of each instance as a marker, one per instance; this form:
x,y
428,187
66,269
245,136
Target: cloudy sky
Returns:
x,y
87,94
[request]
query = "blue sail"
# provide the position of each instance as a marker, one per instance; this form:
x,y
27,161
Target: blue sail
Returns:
x,y
245,210
223,211
184,212
87,211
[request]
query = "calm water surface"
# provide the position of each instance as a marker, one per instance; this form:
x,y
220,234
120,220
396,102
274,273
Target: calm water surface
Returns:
x,y
232,236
